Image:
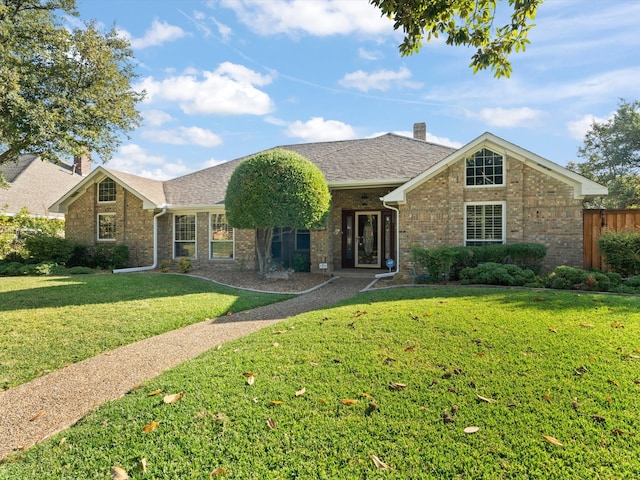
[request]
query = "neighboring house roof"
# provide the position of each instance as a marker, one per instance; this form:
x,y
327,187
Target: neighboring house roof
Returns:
x,y
388,160
582,186
35,184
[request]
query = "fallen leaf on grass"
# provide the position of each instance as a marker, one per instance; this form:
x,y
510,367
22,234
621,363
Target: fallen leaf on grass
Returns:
x,y
36,416
546,398
173,398
552,441
279,332
470,430
143,465
301,392
397,386
348,401
379,463
485,399
410,349
248,374
575,404
270,423
365,395
251,380
617,431
553,329
613,382
218,471
322,401
276,402
617,325
587,325
119,473
598,418
155,392
150,426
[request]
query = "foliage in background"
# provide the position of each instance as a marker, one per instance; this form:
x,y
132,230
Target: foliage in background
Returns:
x,y
110,257
273,189
14,230
447,262
396,374
621,251
65,90
469,23
612,153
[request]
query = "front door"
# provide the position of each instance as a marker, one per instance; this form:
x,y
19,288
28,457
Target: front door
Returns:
x,y
367,238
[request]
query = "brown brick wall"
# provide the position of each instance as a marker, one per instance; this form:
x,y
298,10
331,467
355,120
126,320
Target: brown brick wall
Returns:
x,y
134,226
539,209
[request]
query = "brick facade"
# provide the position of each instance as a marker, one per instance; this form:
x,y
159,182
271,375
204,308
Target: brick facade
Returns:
x,y
539,209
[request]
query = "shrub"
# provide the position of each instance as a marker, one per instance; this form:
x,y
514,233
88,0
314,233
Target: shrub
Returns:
x,y
633,282
111,257
301,263
185,264
43,247
569,278
621,251
497,274
80,257
11,268
164,266
80,271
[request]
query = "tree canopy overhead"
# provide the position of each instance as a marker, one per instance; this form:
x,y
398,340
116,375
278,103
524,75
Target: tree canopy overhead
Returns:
x,y
276,188
612,152
468,23
63,91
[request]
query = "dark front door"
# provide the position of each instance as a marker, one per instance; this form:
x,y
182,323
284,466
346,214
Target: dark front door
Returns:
x,y
367,238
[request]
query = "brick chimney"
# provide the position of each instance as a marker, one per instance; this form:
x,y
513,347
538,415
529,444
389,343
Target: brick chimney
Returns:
x,y
420,131
82,164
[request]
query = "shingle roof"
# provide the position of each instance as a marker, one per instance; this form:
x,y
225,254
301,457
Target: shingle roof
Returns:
x,y
35,184
389,158
152,190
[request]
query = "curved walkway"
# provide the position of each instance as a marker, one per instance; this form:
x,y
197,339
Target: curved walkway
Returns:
x,y
34,411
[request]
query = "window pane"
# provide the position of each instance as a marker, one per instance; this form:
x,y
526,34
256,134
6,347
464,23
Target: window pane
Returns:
x,y
184,236
484,168
484,224
303,240
107,191
106,227
221,244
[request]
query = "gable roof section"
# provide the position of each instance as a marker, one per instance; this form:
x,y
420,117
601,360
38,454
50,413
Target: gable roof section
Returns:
x,y
582,186
34,184
387,160
151,192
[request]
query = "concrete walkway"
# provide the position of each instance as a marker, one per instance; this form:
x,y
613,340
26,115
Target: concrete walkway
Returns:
x,y
36,410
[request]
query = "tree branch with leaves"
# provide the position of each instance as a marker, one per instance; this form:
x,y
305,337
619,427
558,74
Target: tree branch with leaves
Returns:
x,y
469,23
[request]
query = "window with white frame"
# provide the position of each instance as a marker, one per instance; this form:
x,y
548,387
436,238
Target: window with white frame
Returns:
x,y
484,223
184,236
484,168
221,244
106,191
106,226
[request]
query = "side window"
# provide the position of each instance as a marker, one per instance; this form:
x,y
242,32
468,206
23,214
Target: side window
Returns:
x,y
484,223
484,168
107,226
107,191
222,238
184,236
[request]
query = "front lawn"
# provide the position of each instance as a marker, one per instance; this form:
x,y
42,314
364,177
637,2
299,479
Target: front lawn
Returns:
x,y
48,322
384,386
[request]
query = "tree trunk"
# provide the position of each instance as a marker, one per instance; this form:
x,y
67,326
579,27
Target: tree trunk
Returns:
x,y
263,248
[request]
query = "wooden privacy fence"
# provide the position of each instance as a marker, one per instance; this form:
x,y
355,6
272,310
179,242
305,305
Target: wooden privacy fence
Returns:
x,y
595,222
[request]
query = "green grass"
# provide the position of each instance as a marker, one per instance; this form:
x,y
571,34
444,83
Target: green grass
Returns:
x,y
533,352
48,322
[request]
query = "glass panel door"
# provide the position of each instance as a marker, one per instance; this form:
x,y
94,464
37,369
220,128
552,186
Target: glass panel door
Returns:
x,y
368,244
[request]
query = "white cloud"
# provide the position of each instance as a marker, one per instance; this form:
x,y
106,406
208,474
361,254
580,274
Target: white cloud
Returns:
x,y
507,117
379,80
294,17
369,54
320,130
134,159
229,90
156,118
212,162
578,128
184,136
158,34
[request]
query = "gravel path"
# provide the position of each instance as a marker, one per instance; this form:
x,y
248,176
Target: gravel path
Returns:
x,y
36,410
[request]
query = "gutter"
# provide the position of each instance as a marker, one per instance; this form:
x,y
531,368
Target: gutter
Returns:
x,y
397,270
155,247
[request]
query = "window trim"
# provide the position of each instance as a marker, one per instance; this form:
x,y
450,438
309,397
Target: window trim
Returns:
x,y
106,214
212,241
503,204
493,185
195,235
115,185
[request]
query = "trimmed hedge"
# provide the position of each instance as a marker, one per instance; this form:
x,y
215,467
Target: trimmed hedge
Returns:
x,y
448,262
497,274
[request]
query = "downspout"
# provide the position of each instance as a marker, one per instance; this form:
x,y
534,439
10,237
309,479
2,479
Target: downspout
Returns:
x,y
392,274
155,247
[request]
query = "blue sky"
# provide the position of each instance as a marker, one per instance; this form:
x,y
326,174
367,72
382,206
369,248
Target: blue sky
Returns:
x,y
228,78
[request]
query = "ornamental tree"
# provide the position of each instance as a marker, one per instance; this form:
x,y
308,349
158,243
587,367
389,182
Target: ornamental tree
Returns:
x,y
470,23
276,188
64,91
